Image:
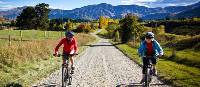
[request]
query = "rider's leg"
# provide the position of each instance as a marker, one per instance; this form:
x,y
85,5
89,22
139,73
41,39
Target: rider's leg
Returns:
x,y
154,61
72,61
64,60
144,69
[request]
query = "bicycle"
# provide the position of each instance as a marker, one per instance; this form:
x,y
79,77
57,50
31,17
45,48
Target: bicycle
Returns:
x,y
66,70
148,72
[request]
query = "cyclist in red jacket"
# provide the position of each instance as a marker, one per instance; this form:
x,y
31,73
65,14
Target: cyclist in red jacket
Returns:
x,y
69,48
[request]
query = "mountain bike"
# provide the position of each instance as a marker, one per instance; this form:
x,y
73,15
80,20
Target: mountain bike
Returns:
x,y
66,70
148,72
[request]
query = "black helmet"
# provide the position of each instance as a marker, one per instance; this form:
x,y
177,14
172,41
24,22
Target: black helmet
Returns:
x,y
69,34
149,35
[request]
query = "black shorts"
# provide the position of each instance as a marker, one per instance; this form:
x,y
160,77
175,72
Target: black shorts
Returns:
x,y
66,56
145,62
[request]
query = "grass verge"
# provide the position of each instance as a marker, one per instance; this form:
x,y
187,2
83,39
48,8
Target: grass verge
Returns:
x,y
27,62
169,71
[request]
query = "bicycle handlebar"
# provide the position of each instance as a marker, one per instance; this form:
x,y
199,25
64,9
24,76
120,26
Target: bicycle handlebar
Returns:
x,y
63,55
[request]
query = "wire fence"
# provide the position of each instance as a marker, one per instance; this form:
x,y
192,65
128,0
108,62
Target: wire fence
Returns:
x,y
11,36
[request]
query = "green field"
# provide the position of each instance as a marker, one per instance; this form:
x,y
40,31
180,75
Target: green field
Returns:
x,y
30,34
27,35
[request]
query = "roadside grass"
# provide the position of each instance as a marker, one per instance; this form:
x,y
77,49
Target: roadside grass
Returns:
x,y
26,62
103,33
187,57
172,72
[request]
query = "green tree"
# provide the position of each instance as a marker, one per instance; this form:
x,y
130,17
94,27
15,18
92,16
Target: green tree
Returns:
x,y
159,30
27,19
111,28
103,22
69,25
117,37
131,28
42,11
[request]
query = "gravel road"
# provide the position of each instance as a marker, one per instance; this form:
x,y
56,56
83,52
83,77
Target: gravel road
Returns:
x,y
102,65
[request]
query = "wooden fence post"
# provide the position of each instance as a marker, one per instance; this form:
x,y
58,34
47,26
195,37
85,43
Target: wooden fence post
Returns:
x,y
61,34
21,35
45,34
173,50
9,38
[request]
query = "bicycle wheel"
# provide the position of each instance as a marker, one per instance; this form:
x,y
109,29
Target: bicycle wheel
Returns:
x,y
147,78
70,80
64,76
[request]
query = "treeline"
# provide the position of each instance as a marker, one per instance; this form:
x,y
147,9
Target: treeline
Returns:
x,y
170,25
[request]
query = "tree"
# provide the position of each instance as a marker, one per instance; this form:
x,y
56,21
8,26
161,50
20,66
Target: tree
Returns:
x,y
69,25
103,22
116,38
32,18
13,23
130,28
84,27
42,11
111,28
27,19
159,30
55,25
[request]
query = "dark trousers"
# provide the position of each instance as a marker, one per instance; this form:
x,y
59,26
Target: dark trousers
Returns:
x,y
146,61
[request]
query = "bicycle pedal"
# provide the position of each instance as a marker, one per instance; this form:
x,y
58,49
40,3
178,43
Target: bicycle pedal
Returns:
x,y
72,72
69,84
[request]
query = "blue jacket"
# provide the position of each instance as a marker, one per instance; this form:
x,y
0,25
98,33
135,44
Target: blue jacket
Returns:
x,y
156,47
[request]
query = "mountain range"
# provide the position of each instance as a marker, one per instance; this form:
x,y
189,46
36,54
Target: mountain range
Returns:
x,y
92,12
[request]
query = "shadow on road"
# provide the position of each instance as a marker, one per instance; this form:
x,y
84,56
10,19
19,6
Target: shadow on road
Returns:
x,y
13,85
138,85
46,85
103,44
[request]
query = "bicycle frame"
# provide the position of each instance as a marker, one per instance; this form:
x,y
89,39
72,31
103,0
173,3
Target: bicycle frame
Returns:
x,y
66,76
148,74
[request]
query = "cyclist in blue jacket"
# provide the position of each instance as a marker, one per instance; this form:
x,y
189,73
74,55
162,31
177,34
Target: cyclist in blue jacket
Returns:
x,y
151,48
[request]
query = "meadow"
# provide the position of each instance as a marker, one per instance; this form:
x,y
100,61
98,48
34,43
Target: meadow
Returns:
x,y
31,57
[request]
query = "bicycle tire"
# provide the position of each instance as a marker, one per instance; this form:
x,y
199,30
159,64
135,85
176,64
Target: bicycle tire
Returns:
x,y
64,76
147,78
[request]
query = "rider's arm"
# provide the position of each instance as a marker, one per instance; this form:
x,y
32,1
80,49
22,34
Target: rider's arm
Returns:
x,y
57,47
159,48
141,49
75,45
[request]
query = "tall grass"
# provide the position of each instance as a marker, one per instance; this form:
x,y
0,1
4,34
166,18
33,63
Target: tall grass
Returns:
x,y
25,62
16,60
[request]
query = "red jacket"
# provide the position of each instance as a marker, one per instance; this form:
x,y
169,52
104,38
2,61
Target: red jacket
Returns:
x,y
68,47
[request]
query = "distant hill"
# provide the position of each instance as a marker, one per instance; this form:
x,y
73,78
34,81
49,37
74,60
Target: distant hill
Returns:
x,y
190,13
91,12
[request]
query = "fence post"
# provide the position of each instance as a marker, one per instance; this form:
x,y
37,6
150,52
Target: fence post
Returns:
x,y
21,35
60,34
45,34
9,38
173,52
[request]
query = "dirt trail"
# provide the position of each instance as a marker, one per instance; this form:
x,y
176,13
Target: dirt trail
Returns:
x,y
102,65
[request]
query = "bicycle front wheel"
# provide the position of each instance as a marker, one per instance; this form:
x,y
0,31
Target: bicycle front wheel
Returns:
x,y
64,76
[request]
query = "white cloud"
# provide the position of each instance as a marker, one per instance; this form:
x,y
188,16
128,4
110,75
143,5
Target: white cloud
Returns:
x,y
1,2
138,2
158,3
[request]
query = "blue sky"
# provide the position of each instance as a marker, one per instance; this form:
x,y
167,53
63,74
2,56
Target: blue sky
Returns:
x,y
71,4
